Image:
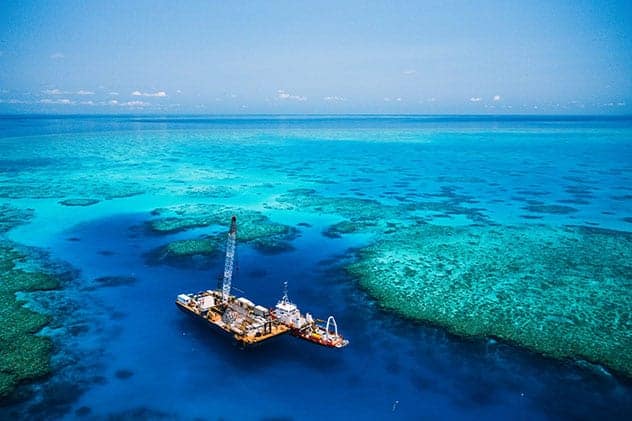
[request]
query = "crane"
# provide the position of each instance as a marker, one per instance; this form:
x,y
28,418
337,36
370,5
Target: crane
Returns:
x,y
230,257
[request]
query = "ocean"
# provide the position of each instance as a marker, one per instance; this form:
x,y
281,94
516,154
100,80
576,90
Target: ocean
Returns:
x,y
480,266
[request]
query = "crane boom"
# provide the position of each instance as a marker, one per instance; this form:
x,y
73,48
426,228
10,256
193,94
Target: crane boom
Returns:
x,y
230,257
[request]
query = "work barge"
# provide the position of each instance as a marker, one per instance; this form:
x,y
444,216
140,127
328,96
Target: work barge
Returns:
x,y
249,323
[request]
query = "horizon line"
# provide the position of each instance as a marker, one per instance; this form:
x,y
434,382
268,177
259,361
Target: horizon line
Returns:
x,y
219,115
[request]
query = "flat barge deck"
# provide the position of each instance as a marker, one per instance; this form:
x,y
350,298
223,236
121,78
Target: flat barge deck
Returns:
x,y
249,324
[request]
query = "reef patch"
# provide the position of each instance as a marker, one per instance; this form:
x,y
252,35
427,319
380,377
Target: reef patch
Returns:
x,y
78,202
11,217
254,228
552,209
24,355
562,292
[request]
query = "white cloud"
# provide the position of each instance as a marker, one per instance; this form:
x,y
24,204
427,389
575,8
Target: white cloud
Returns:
x,y
398,99
281,94
113,102
334,98
178,92
57,56
135,104
54,92
475,99
87,103
84,92
113,93
14,101
62,101
409,72
160,94
496,97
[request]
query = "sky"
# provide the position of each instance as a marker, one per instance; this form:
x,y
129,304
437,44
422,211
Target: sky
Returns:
x,y
234,57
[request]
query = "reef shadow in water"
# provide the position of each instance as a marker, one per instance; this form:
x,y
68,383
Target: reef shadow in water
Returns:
x,y
115,281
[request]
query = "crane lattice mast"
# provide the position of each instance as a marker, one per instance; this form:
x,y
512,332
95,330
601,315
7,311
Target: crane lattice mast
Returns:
x,y
230,257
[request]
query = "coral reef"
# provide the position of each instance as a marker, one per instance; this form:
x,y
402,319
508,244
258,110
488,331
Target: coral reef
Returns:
x,y
348,227
352,208
362,215
561,292
43,188
553,209
197,252
254,228
180,218
11,217
24,356
366,215
79,202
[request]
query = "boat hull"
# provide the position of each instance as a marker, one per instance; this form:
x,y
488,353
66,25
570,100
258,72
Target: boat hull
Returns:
x,y
337,342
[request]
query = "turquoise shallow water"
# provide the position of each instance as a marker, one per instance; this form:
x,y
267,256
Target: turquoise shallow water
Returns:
x,y
124,350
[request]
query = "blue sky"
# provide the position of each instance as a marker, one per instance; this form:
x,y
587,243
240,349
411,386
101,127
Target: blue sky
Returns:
x,y
474,57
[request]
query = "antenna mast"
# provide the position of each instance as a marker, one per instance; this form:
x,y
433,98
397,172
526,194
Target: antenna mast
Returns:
x,y
285,299
230,257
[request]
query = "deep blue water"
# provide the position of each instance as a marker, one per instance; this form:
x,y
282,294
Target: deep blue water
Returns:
x,y
138,356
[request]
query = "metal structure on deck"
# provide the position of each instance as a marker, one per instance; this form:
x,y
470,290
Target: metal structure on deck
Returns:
x,y
230,259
